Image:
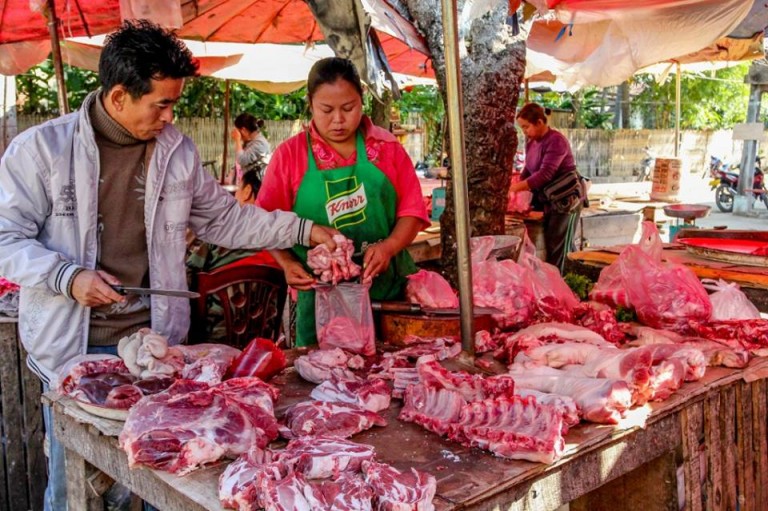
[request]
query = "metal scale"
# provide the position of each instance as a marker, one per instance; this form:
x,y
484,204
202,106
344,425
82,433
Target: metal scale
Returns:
x,y
685,215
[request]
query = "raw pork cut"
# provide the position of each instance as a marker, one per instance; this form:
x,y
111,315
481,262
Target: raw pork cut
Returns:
x,y
600,400
207,362
400,491
330,419
751,334
240,481
472,387
484,342
319,365
344,332
430,289
513,427
318,457
717,353
192,424
564,405
601,319
434,409
146,354
335,266
348,492
372,395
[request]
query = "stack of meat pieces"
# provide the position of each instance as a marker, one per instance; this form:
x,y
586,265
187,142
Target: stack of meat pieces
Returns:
x,y
343,404
430,289
485,413
322,474
104,380
336,266
192,424
563,358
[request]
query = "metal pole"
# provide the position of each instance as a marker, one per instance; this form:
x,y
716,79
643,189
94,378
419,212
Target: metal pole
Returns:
x,y
749,153
527,91
226,132
461,201
53,30
677,111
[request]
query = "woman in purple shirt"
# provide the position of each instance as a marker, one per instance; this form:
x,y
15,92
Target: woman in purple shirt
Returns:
x,y
550,173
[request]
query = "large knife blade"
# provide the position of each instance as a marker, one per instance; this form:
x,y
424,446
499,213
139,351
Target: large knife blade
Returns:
x,y
415,308
127,290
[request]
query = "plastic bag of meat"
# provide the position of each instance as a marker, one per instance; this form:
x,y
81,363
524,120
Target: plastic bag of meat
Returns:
x,y
430,289
554,299
344,318
504,285
664,295
519,202
260,358
610,288
729,302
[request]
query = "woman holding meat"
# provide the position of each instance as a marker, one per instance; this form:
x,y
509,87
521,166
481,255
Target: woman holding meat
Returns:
x,y
550,172
344,172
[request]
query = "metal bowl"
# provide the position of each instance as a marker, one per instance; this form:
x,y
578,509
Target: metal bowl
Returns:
x,y
687,211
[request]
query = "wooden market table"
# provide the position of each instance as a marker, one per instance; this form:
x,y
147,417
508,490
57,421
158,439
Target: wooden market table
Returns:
x,y
717,429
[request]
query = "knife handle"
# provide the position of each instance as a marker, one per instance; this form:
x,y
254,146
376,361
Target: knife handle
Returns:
x,y
118,288
396,307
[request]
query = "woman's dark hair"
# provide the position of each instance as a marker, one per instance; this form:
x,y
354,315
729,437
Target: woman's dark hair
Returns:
x,y
140,51
534,112
329,70
251,177
249,122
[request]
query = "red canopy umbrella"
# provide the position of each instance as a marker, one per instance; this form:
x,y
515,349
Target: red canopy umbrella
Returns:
x,y
19,21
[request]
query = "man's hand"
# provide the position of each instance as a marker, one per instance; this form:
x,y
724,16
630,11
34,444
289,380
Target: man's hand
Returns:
x,y
376,259
321,234
296,276
91,288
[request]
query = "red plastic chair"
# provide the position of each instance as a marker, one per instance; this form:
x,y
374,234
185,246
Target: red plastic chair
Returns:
x,y
252,297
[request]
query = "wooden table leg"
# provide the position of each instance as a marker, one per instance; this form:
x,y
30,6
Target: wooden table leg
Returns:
x,y
80,496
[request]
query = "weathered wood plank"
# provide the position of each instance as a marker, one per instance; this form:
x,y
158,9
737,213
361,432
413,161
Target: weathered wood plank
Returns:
x,y
728,428
691,419
10,383
760,437
744,430
34,433
632,489
4,502
712,432
79,493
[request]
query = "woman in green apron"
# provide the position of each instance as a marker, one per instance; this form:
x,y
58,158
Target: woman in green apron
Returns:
x,y
346,173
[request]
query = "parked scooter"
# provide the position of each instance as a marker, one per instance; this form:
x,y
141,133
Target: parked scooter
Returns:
x,y
646,165
726,183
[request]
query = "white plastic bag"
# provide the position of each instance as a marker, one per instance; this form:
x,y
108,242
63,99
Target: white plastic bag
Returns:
x,y
729,302
344,318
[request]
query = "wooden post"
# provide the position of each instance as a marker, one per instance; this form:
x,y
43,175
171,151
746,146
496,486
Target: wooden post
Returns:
x,y
527,91
53,30
226,132
8,124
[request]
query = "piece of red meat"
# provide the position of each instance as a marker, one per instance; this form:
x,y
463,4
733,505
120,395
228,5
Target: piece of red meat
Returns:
x,y
430,289
319,365
318,457
400,491
372,395
336,266
188,426
328,418
600,319
123,397
348,492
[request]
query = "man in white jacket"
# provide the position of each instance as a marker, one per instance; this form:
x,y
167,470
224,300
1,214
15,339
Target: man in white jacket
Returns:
x,y
104,196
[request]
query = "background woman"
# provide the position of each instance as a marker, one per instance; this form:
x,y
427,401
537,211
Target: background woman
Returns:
x,y
252,148
343,171
550,172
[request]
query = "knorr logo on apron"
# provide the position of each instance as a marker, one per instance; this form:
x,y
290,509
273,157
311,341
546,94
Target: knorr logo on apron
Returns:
x,y
346,202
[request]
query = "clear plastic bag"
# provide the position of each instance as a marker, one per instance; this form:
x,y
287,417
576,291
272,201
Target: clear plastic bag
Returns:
x,y
610,288
504,285
554,299
430,289
729,301
519,202
664,295
344,319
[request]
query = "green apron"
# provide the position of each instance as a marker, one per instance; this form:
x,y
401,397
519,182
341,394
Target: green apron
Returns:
x,y
361,202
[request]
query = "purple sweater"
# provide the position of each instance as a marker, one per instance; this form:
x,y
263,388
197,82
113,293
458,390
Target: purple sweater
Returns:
x,y
546,159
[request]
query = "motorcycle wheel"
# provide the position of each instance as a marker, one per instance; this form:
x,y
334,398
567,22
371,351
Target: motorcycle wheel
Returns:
x,y
724,198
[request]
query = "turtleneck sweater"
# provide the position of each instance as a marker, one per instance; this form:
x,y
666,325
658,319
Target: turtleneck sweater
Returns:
x,y
123,163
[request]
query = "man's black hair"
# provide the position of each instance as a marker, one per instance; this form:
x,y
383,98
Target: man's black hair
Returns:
x,y
140,51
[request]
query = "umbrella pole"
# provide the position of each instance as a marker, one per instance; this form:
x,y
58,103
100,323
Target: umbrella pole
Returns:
x,y
226,134
461,200
677,110
58,67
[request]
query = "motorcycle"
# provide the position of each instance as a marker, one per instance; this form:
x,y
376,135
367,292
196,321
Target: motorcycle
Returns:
x,y
646,165
726,183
